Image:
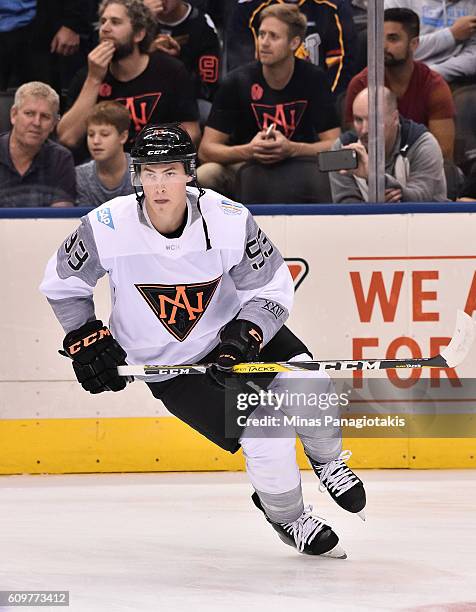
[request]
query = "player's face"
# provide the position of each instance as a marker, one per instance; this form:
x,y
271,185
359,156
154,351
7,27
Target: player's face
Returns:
x,y
33,121
164,186
115,25
104,141
274,45
397,45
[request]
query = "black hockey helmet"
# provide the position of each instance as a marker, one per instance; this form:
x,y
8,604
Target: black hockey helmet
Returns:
x,y
161,144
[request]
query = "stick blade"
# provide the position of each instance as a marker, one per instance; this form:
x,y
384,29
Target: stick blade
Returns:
x,y
462,340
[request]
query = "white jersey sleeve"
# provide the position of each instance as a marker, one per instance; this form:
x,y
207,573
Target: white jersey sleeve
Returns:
x,y
70,278
263,282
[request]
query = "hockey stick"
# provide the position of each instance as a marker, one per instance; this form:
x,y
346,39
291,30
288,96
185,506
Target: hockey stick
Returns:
x,y
451,356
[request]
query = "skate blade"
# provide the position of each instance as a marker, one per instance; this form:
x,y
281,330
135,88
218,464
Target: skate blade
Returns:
x,y
361,514
336,553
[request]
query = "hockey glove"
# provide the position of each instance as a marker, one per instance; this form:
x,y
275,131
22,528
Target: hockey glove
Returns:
x,y
240,341
95,356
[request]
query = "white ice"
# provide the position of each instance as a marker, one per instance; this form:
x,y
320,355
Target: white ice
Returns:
x,y
195,542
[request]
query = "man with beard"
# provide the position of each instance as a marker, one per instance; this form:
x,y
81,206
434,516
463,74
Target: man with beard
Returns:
x,y
154,88
422,94
448,36
413,159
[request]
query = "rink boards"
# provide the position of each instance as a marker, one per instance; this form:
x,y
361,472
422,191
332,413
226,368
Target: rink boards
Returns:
x,y
366,286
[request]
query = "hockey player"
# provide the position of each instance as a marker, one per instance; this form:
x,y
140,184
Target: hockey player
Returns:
x,y
194,279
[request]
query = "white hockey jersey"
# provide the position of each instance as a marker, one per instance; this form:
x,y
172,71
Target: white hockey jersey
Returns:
x,y
170,296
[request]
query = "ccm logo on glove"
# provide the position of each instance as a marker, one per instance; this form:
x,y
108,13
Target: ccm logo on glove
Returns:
x,y
96,355
91,339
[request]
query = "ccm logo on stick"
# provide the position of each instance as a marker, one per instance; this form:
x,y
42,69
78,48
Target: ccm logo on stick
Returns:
x,y
91,339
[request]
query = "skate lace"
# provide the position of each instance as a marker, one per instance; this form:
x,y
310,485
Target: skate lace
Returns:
x,y
336,476
305,528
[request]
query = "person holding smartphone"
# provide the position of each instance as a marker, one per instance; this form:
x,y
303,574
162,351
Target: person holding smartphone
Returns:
x,y
414,169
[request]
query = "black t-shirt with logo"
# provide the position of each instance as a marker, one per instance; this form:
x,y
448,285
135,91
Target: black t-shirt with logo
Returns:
x,y
199,49
162,93
246,104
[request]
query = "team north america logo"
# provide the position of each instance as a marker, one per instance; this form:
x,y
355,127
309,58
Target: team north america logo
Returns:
x,y
179,307
141,108
286,117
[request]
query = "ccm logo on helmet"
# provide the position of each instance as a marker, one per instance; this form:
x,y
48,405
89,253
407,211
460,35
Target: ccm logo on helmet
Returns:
x,y
154,152
91,339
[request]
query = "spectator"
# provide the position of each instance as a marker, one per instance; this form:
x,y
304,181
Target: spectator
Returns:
x,y
35,171
15,35
154,88
330,40
107,175
271,110
448,35
413,161
422,94
185,32
217,9
60,40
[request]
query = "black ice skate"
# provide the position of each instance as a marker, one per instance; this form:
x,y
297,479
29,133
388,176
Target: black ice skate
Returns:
x,y
345,488
308,534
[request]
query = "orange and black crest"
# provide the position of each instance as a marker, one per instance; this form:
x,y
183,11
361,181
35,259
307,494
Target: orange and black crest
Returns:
x,y
286,117
179,307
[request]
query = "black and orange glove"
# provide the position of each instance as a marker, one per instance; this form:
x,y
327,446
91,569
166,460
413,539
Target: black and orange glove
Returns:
x,y
95,356
240,341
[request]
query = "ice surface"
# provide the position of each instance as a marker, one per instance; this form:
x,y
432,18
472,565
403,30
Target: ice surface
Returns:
x,y
195,542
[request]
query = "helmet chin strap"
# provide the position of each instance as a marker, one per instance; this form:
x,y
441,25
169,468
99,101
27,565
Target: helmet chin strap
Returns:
x,y
202,192
140,197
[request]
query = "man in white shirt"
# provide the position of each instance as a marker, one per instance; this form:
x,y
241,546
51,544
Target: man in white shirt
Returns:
x,y
196,280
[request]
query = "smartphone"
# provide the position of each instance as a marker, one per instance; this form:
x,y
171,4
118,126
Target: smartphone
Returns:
x,y
343,159
269,130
